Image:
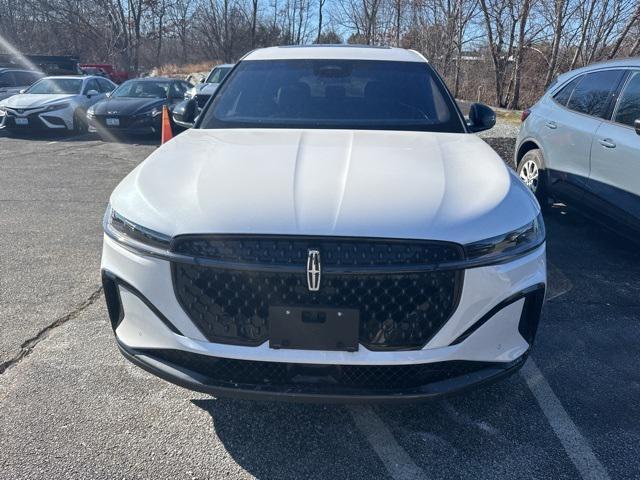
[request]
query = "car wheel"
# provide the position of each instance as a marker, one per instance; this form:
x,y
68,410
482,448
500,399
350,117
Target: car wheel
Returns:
x,y
79,122
531,172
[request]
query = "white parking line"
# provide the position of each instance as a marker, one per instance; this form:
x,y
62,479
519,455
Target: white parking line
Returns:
x,y
395,458
576,446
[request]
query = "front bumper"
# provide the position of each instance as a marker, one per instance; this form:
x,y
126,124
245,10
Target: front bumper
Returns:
x,y
309,383
37,119
490,334
142,125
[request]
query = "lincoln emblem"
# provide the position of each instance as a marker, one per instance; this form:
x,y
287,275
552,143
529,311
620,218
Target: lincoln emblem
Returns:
x,y
313,270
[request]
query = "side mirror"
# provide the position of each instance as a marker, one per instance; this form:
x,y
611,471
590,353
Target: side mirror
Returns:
x,y
202,80
184,113
108,94
481,117
23,90
92,93
637,125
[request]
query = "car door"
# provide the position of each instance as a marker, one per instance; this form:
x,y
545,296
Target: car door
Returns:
x,y
570,127
615,157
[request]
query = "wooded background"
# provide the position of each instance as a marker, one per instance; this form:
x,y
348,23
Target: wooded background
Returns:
x,y
503,52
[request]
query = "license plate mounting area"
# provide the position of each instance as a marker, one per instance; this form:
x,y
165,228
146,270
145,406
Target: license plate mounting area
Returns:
x,y
314,328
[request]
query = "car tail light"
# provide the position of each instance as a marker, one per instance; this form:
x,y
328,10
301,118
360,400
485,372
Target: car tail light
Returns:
x,y
525,114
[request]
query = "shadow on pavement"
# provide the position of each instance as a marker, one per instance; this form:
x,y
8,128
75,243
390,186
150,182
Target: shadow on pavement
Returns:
x,y
46,136
289,440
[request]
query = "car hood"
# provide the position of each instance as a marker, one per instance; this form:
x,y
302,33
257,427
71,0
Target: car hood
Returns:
x,y
26,100
437,186
127,106
206,88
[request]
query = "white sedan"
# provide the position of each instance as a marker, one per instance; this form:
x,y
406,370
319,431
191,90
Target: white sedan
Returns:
x,y
54,103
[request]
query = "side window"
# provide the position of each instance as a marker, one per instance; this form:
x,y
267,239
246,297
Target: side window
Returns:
x,y
6,80
23,79
562,97
628,110
91,85
592,95
177,89
105,86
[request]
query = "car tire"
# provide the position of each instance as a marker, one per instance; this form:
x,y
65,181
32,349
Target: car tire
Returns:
x,y
531,171
80,124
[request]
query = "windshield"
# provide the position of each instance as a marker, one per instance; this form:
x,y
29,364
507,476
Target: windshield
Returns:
x,y
52,86
142,89
218,74
349,94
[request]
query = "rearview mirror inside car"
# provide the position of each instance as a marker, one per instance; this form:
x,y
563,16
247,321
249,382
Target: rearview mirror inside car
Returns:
x,y
481,117
637,125
184,113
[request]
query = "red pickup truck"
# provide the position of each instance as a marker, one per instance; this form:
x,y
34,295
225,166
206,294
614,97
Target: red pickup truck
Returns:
x,y
108,69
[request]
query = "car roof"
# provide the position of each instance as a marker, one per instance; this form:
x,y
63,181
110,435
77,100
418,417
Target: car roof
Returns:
x,y
621,62
154,79
70,77
11,69
335,52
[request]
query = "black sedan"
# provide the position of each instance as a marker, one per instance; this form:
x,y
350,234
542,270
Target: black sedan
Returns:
x,y
135,107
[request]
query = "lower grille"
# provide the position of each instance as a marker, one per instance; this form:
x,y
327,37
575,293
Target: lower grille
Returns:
x,y
380,378
397,311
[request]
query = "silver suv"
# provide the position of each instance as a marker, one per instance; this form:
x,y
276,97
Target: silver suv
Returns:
x,y
580,143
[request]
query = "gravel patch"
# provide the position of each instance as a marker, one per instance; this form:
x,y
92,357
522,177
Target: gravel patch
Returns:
x,y
502,129
505,148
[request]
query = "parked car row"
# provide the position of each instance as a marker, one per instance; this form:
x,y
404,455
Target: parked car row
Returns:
x,y
95,102
74,103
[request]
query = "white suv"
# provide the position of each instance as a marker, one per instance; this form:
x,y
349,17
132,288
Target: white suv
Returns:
x,y
580,142
330,229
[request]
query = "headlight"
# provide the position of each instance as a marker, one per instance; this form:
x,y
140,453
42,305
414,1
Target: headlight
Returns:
x,y
131,234
57,106
508,246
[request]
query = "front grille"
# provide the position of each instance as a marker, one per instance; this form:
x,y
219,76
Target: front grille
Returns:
x,y
397,311
336,252
319,378
202,99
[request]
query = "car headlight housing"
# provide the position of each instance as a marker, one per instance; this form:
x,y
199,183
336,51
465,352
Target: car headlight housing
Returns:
x,y
503,248
133,235
57,106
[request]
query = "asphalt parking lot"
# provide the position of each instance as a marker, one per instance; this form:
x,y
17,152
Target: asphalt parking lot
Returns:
x,y
72,407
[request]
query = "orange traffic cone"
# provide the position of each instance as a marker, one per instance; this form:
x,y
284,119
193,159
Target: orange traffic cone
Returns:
x,y
167,134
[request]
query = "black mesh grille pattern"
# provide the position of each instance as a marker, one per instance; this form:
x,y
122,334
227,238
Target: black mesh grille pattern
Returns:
x,y
335,252
397,311
381,378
